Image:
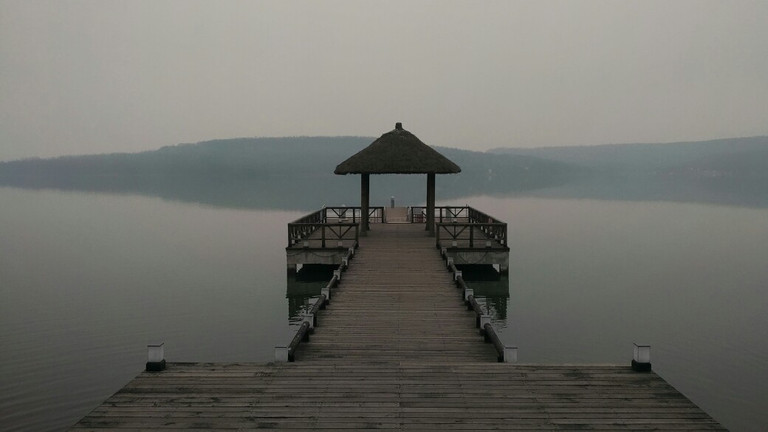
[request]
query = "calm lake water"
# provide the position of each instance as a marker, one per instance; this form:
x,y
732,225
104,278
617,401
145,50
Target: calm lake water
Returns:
x,y
87,280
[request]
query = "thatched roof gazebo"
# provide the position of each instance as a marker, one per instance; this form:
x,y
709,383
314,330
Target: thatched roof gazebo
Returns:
x,y
397,152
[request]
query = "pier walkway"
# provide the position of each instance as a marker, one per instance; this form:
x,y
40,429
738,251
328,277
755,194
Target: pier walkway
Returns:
x,y
396,302
397,349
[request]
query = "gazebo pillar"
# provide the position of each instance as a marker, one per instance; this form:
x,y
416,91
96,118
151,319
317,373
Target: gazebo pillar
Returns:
x,y
364,202
431,203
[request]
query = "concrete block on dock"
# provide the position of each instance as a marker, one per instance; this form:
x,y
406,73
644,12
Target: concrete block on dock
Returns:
x,y
156,357
281,354
310,318
641,358
510,354
468,292
327,293
484,319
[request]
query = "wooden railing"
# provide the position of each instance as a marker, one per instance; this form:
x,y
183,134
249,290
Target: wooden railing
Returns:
x,y
418,214
309,321
493,234
335,224
507,354
459,225
352,214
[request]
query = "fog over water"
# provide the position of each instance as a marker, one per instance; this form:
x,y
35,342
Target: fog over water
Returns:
x,y
89,279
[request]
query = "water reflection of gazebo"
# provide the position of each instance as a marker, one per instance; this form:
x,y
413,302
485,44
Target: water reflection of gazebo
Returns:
x,y
397,152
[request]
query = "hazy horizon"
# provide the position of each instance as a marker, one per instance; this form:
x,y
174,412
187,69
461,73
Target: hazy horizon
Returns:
x,y
86,77
488,150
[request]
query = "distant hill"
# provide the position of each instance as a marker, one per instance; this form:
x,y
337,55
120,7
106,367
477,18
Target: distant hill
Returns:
x,y
643,156
725,171
295,172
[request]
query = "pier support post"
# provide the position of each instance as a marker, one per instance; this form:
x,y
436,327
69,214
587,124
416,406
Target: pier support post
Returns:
x,y
641,359
431,204
156,357
364,203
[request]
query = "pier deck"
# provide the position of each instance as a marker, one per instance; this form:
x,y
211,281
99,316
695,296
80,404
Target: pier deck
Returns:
x,y
403,395
396,349
396,302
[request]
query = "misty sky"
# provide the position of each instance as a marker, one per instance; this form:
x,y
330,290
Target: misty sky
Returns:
x,y
113,76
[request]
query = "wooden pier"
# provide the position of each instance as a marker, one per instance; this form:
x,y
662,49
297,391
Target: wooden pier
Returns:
x,y
465,234
397,348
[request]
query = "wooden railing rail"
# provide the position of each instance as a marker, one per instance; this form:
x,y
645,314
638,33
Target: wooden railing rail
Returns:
x,y
418,214
302,335
453,221
314,217
310,316
334,224
489,334
453,232
334,213
333,232
482,320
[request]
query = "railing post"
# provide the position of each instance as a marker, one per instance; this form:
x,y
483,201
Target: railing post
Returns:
x,y
322,235
504,242
471,236
484,319
327,293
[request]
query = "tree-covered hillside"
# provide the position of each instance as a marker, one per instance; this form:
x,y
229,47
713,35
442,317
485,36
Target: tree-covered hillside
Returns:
x,y
276,172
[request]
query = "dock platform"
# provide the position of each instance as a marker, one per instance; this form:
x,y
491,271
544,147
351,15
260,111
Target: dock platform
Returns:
x,y
396,348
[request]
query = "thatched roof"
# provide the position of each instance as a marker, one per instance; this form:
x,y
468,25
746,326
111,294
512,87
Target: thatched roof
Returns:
x,y
397,152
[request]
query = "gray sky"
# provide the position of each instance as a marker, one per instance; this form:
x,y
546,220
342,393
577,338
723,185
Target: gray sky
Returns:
x,y
107,76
